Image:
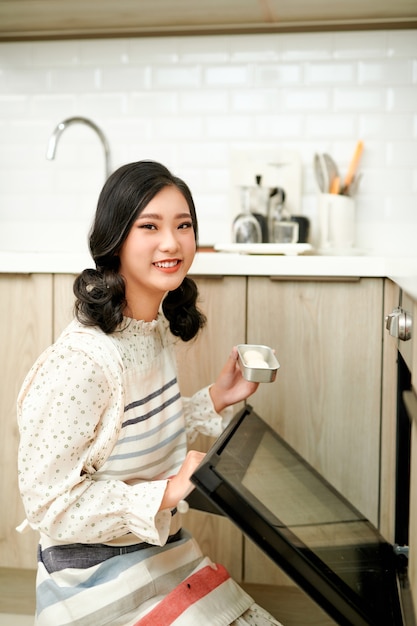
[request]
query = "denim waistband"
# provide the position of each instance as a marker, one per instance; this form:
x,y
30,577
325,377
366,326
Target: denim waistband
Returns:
x,y
84,555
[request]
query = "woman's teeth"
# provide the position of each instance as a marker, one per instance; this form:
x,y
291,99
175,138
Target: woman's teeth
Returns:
x,y
167,264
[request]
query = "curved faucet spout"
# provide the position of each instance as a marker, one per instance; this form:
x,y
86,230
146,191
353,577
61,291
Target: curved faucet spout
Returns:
x,y
54,138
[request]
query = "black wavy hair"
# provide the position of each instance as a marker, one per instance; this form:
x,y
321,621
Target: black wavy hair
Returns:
x,y
100,293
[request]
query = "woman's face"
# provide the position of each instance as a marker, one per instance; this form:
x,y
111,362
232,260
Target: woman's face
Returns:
x,y
160,247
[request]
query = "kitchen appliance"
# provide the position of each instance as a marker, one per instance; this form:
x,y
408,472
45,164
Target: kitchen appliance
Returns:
x,y
304,525
246,227
303,227
273,168
280,227
256,201
399,325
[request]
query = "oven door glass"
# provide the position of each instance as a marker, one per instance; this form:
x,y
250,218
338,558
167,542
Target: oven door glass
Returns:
x,y
301,522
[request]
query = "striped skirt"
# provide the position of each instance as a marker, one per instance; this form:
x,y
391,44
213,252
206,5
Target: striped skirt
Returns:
x,y
153,586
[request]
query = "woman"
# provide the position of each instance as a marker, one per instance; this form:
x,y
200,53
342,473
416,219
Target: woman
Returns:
x,y
103,458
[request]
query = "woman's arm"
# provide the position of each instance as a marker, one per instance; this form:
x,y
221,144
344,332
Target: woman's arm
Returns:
x,y
230,387
67,413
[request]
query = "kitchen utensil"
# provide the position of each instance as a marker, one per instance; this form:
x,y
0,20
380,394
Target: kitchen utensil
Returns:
x,y
332,173
353,164
335,185
322,176
353,187
252,369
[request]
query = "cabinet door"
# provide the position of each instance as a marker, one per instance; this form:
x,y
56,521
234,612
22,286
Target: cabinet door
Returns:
x,y
63,302
325,401
199,363
25,331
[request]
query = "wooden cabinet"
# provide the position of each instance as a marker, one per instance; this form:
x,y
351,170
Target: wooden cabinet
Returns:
x,y
35,309
25,330
326,400
63,302
223,300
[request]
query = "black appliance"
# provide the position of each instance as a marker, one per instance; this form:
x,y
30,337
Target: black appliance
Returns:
x,y
302,523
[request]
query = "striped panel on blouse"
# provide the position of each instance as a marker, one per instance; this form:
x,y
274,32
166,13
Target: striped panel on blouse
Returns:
x,y
149,447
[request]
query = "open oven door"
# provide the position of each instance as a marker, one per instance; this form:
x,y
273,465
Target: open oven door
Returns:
x,y
303,524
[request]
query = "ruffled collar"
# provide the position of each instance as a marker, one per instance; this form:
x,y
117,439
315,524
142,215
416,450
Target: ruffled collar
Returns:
x,y
133,327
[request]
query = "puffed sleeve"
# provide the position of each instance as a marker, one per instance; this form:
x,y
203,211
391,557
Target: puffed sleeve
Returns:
x,y
201,417
69,412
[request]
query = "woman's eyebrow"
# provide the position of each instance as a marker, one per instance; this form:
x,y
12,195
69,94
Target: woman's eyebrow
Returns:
x,y
158,216
149,216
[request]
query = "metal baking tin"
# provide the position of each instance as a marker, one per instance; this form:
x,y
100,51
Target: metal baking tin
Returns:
x,y
258,374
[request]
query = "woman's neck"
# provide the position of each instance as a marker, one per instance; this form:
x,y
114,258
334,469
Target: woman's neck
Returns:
x,y
142,308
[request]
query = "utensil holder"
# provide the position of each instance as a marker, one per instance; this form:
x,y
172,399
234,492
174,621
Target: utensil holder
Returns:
x,y
336,222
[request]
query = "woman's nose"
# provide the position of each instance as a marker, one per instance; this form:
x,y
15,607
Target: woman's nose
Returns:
x,y
169,240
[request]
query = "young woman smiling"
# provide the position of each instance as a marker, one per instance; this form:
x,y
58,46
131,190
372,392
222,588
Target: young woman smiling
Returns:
x,y
104,452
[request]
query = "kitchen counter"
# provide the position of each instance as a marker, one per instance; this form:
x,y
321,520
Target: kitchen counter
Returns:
x,y
402,270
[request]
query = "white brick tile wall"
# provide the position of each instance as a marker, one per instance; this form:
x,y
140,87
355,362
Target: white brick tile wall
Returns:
x,y
227,75
357,45
176,76
334,73
115,79
190,102
362,101
203,101
403,98
401,43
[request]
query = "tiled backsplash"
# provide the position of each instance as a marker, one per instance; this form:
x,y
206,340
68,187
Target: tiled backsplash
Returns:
x,y
190,102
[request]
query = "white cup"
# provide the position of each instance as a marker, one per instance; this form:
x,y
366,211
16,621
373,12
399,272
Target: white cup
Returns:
x,y
336,222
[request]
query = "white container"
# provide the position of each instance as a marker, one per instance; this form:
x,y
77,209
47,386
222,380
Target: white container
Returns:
x,y
256,373
336,222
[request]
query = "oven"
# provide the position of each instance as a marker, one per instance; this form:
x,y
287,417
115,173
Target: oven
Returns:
x,y
347,566
399,324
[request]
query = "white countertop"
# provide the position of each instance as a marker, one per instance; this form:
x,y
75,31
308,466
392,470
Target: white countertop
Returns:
x,y
401,270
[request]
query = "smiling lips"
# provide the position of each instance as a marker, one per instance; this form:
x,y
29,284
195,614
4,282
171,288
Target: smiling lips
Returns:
x,y
168,266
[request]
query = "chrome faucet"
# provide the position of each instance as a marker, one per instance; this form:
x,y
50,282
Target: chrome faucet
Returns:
x,y
54,138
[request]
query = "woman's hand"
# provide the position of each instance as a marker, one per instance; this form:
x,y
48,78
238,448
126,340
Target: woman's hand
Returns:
x,y
179,486
231,387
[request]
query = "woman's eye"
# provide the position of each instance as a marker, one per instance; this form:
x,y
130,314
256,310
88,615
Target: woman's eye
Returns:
x,y
186,225
148,226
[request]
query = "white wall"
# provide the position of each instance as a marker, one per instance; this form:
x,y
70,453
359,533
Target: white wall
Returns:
x,y
189,102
